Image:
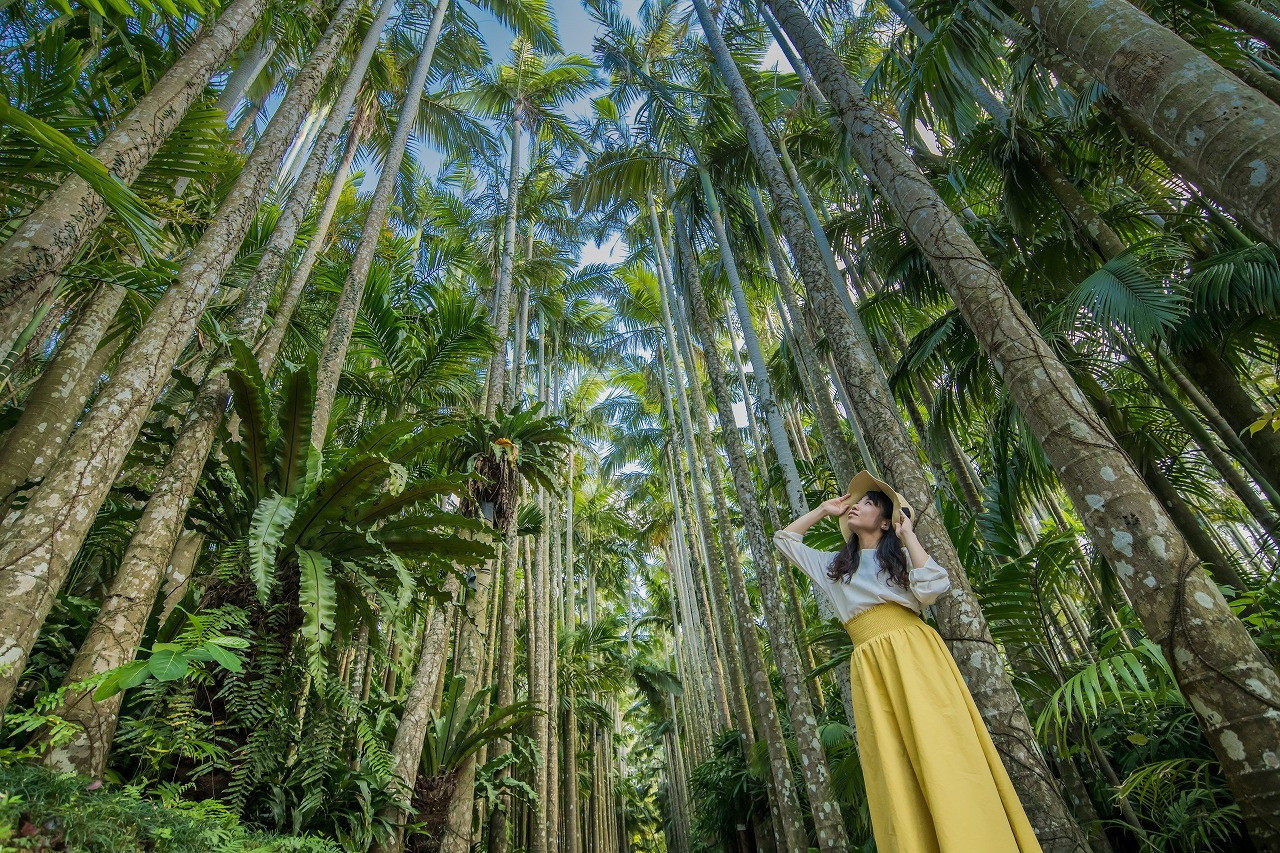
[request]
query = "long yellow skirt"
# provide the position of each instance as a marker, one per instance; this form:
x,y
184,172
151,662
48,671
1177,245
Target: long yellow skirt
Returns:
x,y
934,778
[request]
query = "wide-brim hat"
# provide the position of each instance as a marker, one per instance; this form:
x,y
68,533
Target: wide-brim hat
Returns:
x,y
862,483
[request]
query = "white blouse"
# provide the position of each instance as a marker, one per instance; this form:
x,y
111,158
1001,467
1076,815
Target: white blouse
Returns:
x,y
866,587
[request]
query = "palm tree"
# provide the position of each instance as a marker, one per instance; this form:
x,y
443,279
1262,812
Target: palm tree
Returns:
x,y
529,93
37,252
37,547
334,351
1127,524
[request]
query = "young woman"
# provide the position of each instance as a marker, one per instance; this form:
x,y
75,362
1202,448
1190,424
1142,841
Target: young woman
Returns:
x,y
935,783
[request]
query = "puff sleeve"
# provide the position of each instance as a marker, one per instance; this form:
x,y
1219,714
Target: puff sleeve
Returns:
x,y
929,582
811,561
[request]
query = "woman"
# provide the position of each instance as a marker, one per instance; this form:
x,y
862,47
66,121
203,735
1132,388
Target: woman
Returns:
x,y
934,779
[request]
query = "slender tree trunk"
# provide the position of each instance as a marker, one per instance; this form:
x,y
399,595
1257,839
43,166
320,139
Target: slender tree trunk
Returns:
x,y
764,390
960,619
406,750
1224,134
238,82
457,829
334,351
1258,23
118,629
1220,384
506,651
831,829
842,464
46,241
554,733
1214,658
502,292
697,453
538,689
32,445
519,345
269,346
37,547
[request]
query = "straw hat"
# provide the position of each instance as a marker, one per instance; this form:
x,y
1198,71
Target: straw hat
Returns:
x,y
862,483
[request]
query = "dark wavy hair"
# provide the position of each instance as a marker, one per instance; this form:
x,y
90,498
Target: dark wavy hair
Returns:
x,y
890,553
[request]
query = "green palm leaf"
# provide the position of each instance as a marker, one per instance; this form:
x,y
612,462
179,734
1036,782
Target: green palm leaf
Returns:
x,y
318,599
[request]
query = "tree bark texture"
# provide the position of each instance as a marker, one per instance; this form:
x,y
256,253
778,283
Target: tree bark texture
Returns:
x,y
33,443
1224,675
47,240
37,547
1224,134
333,352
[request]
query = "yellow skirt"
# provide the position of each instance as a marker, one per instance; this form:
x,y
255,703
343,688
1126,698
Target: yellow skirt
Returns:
x,y
934,778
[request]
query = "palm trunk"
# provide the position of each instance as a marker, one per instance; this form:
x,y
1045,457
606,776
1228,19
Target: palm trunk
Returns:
x,y
46,241
502,292
32,445
519,345
1258,23
538,691
554,734
764,391
37,548
269,346
959,617
506,652
1218,382
238,82
1223,133
334,351
457,831
117,631
827,816
842,464
1212,654
406,750
718,567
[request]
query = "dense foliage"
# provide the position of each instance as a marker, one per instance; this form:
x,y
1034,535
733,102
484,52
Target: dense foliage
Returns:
x,y
348,506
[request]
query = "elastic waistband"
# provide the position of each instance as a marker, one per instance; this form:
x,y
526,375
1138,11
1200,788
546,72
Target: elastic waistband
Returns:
x,y
879,620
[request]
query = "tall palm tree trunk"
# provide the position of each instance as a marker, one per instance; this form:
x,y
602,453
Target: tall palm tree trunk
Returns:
x,y
457,830
246,72
1219,383
554,733
506,657
764,390
502,292
541,688
696,454
334,350
411,733
46,241
37,547
32,445
959,615
1224,135
839,455
831,834
117,630
1213,656
269,345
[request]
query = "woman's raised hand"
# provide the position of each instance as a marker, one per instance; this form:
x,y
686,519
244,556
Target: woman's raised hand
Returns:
x,y
835,506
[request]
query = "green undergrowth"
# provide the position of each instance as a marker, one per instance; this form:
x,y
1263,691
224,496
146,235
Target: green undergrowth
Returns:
x,y
46,811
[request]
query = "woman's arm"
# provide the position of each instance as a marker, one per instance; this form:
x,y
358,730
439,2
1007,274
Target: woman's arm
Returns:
x,y
928,579
790,542
801,525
